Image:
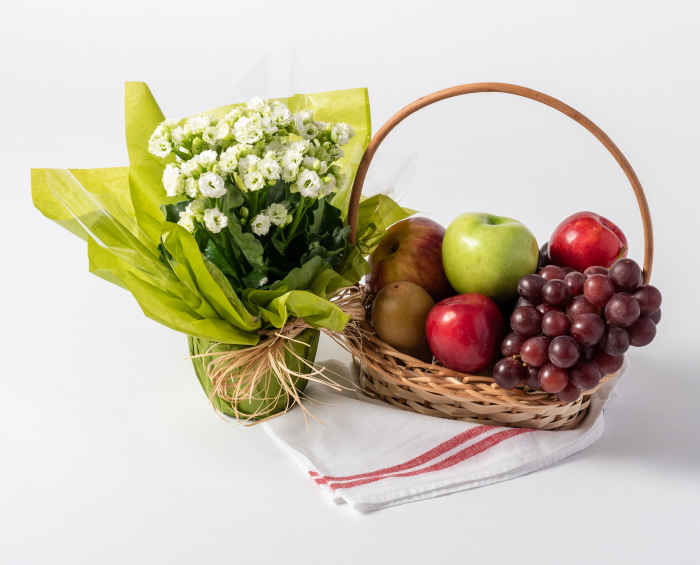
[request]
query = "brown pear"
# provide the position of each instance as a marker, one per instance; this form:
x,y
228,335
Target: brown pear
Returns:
x,y
398,316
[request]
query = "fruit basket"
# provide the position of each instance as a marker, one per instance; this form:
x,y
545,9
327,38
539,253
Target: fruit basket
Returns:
x,y
409,383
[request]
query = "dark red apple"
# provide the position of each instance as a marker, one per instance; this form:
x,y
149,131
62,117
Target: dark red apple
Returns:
x,y
411,250
464,331
585,239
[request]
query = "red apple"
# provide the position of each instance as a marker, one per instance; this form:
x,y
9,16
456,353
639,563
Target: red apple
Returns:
x,y
411,250
586,239
464,331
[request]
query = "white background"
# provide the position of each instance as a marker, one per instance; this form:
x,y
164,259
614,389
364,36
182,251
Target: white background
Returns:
x,y
109,452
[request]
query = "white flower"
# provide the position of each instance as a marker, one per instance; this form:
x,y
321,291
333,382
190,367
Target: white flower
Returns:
x,y
308,183
211,185
341,133
262,281
228,160
197,208
328,185
159,146
190,167
196,124
268,125
191,187
215,220
248,129
292,159
305,125
234,114
280,114
301,146
178,134
173,181
209,135
256,103
207,158
222,131
186,220
254,180
248,163
269,167
277,213
260,224
311,163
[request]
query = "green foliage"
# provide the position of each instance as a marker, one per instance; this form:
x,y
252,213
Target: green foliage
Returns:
x,y
204,284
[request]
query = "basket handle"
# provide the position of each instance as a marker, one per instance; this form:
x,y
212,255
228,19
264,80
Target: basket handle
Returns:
x,y
506,88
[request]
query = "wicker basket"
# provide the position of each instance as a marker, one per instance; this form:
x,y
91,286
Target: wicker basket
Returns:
x,y
411,384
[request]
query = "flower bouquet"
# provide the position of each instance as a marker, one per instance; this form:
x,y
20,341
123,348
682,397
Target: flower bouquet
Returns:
x,y
231,227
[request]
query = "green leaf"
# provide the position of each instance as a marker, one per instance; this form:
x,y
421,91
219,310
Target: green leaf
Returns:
x,y
233,199
188,263
249,245
216,256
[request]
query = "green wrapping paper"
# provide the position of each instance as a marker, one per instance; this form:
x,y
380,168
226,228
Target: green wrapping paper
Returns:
x,y
119,212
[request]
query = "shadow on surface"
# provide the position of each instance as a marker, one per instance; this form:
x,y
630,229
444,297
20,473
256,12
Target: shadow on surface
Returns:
x,y
653,416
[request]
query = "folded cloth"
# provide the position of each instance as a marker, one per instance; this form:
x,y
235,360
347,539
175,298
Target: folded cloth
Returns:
x,y
370,455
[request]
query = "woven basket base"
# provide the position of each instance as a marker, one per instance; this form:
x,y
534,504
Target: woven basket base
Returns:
x,y
428,388
560,417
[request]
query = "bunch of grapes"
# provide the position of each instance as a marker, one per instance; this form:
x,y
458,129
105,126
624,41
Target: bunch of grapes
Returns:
x,y
569,329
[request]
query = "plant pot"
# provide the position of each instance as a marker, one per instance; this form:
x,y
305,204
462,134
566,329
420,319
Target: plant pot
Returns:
x,y
267,398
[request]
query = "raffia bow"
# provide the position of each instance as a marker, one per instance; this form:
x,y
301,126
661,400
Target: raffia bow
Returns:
x,y
237,375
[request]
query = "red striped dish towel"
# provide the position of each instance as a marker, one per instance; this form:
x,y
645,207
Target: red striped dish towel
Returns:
x,y
370,456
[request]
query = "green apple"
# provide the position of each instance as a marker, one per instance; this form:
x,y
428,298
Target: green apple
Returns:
x,y
488,254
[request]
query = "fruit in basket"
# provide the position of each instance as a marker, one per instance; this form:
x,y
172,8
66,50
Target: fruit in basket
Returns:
x,y
411,250
465,331
488,254
582,334
399,312
585,239
509,372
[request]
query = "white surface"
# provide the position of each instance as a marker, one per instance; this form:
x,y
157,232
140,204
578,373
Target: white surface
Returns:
x,y
109,452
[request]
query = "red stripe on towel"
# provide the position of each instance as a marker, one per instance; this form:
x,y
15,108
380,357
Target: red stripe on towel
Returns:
x,y
454,459
444,447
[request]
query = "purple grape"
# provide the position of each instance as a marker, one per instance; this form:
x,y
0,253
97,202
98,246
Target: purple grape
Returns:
x,y
622,310
615,341
587,329
543,259
574,280
554,323
522,302
509,372
608,363
526,321
555,292
626,275
649,299
530,288
533,379
655,316
642,332
598,289
585,375
569,393
564,351
553,379
552,272
544,308
534,351
596,270
511,344
579,305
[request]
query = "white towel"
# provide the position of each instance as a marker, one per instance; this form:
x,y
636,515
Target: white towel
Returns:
x,y
370,455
